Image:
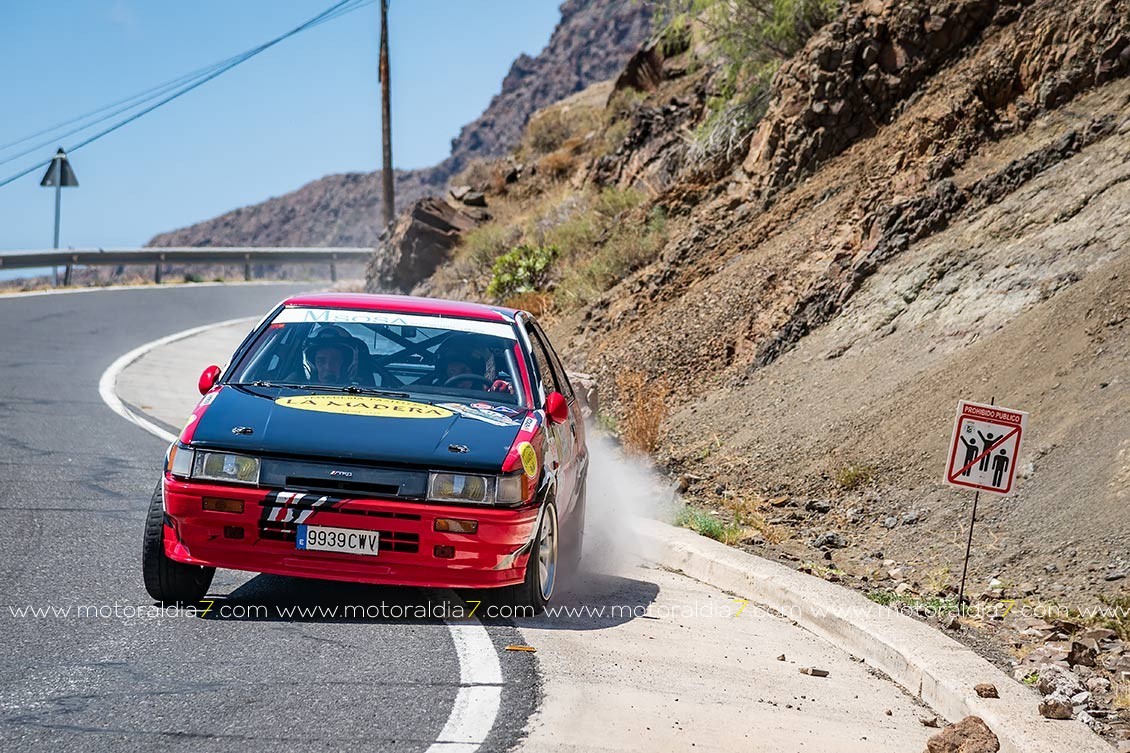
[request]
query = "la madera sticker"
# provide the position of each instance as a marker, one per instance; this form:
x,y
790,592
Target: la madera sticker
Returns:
x,y
364,406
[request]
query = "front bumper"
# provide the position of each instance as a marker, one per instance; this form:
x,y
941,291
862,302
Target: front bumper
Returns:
x,y
261,538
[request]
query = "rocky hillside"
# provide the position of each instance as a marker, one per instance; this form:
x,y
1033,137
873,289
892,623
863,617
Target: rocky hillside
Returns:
x,y
591,42
795,285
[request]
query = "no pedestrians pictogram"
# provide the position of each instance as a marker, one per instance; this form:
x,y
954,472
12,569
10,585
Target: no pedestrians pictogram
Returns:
x,y
985,446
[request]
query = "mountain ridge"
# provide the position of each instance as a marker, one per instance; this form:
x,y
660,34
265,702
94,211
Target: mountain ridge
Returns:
x,y
591,42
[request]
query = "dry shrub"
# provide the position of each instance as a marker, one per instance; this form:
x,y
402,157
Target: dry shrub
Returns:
x,y
554,127
476,174
854,475
644,405
547,130
749,513
484,175
537,303
557,164
1121,699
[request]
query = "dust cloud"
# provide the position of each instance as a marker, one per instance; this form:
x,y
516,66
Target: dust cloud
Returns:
x,y
620,488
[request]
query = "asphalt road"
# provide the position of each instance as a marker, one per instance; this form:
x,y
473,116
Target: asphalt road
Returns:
x,y
92,673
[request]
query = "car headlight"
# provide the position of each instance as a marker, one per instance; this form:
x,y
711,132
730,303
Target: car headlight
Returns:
x,y
480,490
513,490
178,461
460,487
226,466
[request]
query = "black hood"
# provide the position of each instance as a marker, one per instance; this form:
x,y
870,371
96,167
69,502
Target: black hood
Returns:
x,y
362,428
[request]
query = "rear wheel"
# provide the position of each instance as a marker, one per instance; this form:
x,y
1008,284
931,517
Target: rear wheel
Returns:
x,y
166,580
535,591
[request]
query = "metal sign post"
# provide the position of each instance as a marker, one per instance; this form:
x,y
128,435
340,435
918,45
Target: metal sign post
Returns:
x,y
968,547
983,456
59,174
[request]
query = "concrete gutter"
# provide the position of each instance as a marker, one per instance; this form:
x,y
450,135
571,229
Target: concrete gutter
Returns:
x,y
933,666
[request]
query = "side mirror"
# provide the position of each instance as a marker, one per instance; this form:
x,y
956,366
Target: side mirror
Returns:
x,y
556,407
208,379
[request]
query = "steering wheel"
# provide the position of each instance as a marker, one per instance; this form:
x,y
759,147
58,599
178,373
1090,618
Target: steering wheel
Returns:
x,y
465,377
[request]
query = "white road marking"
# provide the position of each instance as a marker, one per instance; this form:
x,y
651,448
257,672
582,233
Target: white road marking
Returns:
x,y
480,689
107,383
479,697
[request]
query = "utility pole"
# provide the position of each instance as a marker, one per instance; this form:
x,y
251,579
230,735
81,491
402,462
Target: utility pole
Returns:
x,y
388,201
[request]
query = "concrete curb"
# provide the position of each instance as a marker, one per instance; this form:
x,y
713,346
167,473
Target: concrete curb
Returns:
x,y
932,666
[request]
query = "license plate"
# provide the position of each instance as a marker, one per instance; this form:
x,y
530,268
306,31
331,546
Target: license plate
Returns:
x,y
327,539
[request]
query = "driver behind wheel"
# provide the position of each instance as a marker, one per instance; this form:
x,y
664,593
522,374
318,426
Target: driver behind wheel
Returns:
x,y
459,356
331,357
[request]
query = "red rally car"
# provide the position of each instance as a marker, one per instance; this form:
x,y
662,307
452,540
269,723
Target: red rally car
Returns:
x,y
377,439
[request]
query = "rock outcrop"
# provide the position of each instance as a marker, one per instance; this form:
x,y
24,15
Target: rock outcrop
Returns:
x,y
859,71
421,240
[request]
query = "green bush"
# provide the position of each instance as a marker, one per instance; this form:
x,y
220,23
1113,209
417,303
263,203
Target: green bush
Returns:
x,y
628,246
483,244
749,33
612,201
705,524
752,38
521,270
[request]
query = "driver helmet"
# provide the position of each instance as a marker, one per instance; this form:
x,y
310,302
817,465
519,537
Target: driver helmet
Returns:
x,y
466,349
333,337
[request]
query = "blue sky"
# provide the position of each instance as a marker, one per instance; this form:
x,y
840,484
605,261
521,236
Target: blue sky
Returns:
x,y
298,111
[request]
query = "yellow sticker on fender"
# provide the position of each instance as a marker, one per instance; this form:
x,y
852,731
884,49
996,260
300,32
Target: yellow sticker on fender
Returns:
x,y
529,457
364,405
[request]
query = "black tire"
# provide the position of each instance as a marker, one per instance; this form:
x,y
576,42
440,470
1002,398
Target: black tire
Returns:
x,y
530,597
166,580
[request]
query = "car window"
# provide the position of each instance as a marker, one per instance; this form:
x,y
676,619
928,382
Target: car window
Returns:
x,y
542,362
422,355
559,370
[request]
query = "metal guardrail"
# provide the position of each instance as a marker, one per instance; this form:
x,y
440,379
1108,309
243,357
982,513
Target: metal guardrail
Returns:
x,y
159,257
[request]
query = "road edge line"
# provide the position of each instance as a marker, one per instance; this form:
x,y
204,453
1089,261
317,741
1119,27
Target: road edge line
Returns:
x,y
107,383
926,662
478,699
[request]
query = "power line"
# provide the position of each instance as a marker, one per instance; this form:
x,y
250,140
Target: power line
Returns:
x,y
134,102
334,11
142,96
146,95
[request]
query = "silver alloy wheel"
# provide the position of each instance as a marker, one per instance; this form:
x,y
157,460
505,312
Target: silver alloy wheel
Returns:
x,y
547,553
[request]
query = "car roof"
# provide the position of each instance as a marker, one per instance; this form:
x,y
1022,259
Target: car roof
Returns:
x,y
403,304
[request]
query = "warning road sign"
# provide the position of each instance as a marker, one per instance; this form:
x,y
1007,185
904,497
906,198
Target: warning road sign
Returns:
x,y
985,446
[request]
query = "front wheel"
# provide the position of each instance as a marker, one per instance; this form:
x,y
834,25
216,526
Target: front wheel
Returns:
x,y
166,580
535,591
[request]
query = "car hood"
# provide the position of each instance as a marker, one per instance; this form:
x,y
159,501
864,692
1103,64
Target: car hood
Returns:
x,y
337,426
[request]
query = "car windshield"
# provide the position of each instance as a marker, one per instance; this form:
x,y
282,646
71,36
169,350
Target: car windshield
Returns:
x,y
429,357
